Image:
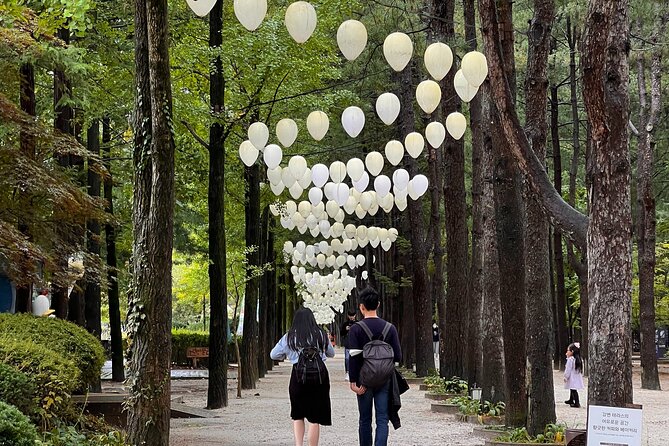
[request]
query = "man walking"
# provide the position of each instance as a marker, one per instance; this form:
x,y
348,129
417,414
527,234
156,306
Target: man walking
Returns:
x,y
377,397
345,327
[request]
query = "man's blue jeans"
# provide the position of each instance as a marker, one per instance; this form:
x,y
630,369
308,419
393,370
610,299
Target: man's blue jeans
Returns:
x,y
347,358
380,399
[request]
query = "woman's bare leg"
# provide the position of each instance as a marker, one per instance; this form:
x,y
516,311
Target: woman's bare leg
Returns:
x,y
313,434
298,430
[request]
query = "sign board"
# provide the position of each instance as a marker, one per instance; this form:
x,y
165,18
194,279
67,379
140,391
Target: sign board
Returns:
x,y
197,352
614,426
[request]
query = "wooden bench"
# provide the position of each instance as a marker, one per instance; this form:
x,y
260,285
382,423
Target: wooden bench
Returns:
x,y
196,353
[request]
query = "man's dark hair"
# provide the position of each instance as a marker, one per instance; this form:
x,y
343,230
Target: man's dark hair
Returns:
x,y
351,312
369,298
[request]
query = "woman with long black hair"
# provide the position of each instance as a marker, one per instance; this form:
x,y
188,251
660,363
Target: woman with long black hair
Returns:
x,y
310,400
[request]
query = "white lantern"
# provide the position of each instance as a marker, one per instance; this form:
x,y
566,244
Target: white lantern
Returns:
x,y
201,7
398,49
374,163
258,135
337,171
297,165
400,179
362,184
274,175
272,156
428,95
388,107
394,152
250,13
353,121
315,195
342,194
286,132
320,174
474,68
355,168
351,38
295,190
300,21
382,185
463,88
414,143
438,60
248,153
318,124
456,123
435,134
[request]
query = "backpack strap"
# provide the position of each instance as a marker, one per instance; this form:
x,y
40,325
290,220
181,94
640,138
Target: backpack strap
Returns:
x,y
366,329
386,329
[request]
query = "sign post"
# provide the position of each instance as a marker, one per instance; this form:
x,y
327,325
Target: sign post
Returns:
x,y
614,426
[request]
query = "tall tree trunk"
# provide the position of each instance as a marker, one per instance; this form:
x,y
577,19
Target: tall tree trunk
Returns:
x,y
217,390
646,223
150,309
272,295
422,302
118,369
92,298
263,299
606,80
249,349
541,400
560,294
492,343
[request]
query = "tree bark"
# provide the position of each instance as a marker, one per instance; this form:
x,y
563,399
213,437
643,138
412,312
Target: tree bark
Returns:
x,y
605,79
118,369
541,400
92,297
249,348
263,298
646,223
217,390
150,310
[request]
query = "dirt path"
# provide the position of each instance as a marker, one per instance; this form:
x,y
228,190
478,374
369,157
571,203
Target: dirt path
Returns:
x,y
261,417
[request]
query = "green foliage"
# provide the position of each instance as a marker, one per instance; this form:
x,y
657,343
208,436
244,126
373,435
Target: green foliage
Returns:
x,y
184,339
456,385
62,337
553,433
54,376
15,428
492,409
70,436
468,406
17,389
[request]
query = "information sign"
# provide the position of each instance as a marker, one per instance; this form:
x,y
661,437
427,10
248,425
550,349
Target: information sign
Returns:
x,y
614,426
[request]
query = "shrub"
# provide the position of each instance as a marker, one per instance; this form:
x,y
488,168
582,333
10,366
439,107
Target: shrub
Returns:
x,y
553,433
63,337
54,376
15,428
456,385
72,436
17,389
183,339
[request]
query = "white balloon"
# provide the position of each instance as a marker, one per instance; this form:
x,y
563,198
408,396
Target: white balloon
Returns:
x,y
248,153
320,175
312,221
374,163
351,38
305,181
341,261
388,107
332,208
401,194
298,220
250,13
382,185
374,209
386,244
258,134
287,178
201,7
386,203
456,123
330,261
418,186
374,243
346,244
300,21
350,231
318,124
361,185
366,201
438,60
414,144
383,234
392,234
474,68
291,207
304,208
394,152
340,216
324,226
350,261
435,134
360,259
288,247
365,274
272,156
295,190
362,241
355,168
315,195
330,190
337,171
360,212
274,175
318,210
342,194
400,179
353,120
398,49
286,132
401,203
463,88
428,95
274,210
350,204
300,246
277,188
337,229
297,165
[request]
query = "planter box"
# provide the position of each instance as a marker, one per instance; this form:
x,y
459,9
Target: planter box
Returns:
x,y
504,443
440,396
415,381
487,434
444,408
576,437
475,419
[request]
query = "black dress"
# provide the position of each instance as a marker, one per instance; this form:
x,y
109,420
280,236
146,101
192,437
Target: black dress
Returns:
x,y
310,401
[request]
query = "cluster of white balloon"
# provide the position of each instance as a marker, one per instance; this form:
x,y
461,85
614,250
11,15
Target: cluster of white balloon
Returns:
x,y
322,293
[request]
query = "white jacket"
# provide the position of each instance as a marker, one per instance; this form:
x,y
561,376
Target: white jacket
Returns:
x,y
573,379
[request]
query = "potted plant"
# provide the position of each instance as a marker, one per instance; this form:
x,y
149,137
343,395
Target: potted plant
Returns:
x,y
552,435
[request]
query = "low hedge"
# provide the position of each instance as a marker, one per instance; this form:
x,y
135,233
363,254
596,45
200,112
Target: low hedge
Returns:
x,y
17,389
63,337
15,428
183,339
54,376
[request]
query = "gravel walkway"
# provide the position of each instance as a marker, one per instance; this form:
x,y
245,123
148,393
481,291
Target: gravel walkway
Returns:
x,y
262,416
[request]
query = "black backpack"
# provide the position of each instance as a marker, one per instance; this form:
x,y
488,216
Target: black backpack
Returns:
x,y
378,363
310,366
